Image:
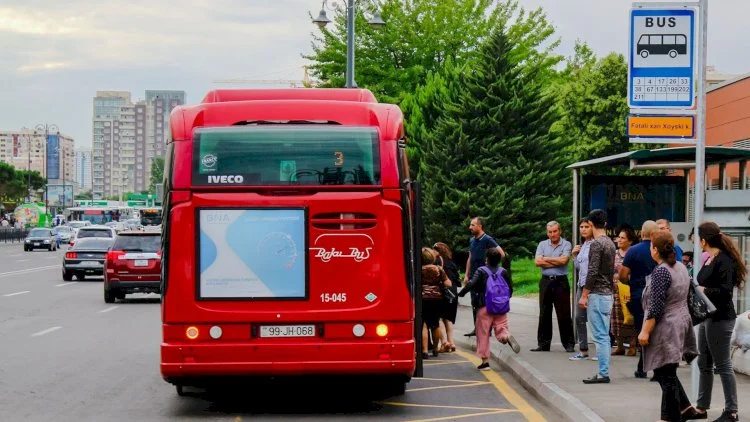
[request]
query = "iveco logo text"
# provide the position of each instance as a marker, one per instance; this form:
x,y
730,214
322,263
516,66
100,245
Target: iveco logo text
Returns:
x,y
225,179
209,160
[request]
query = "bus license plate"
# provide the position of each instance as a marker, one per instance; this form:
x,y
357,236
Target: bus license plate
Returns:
x,y
141,263
287,331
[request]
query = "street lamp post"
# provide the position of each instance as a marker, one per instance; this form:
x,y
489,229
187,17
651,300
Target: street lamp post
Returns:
x,y
47,127
322,20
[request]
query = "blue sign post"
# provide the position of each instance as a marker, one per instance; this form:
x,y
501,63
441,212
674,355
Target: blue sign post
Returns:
x,y
662,58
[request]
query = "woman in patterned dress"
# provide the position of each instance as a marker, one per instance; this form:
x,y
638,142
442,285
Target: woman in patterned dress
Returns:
x,y
622,333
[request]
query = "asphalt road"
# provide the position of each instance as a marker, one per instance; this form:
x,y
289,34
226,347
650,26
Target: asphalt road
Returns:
x,y
65,355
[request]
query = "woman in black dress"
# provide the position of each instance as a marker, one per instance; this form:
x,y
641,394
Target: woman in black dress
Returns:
x,y
450,308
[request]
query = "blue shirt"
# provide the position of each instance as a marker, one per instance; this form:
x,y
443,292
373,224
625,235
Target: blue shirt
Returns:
x,y
478,248
678,252
582,262
638,260
546,248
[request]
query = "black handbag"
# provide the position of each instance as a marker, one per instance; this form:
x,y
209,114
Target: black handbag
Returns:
x,y
699,306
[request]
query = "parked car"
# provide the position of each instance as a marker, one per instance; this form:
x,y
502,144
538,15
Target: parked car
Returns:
x,y
86,258
92,231
64,233
40,238
133,265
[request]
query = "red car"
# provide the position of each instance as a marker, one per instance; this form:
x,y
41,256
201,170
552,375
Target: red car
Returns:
x,y
133,265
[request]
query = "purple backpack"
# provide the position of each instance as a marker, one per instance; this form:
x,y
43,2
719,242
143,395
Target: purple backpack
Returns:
x,y
497,296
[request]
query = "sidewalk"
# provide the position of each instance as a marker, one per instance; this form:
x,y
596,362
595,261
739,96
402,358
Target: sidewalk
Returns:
x,y
557,381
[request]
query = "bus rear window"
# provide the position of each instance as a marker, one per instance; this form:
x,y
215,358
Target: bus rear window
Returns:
x,y
286,155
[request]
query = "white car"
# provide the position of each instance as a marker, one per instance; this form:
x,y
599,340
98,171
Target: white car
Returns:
x,y
93,231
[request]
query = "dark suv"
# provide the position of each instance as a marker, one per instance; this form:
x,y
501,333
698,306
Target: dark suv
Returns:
x,y
133,265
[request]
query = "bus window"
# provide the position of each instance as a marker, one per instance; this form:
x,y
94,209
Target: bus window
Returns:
x,y
268,156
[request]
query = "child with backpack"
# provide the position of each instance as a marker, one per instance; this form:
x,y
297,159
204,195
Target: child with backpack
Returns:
x,y
493,285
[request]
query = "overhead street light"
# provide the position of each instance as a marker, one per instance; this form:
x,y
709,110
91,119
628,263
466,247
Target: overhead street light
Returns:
x,y
376,22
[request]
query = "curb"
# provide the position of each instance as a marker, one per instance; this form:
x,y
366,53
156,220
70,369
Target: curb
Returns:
x,y
564,403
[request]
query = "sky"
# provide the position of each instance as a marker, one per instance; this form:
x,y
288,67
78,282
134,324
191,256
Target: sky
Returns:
x,y
55,55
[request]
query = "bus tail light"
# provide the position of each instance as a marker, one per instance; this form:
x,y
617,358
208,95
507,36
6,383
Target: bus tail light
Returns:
x,y
191,333
358,330
381,330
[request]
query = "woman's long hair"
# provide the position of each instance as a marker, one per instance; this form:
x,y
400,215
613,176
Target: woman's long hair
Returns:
x,y
443,249
664,244
711,233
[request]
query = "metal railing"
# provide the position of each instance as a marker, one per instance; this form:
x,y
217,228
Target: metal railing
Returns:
x,y
12,235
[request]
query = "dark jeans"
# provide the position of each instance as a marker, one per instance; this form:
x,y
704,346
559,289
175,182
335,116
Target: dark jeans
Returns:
x,y
554,292
673,397
713,345
635,306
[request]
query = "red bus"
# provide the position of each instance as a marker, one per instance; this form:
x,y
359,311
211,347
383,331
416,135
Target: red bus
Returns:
x,y
288,243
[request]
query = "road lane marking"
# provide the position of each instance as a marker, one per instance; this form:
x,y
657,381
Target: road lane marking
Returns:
x,y
438,406
47,331
446,379
108,309
455,362
17,293
51,257
470,415
18,254
23,260
509,393
29,270
68,283
441,387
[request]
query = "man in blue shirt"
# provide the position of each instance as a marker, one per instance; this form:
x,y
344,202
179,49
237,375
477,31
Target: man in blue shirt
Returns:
x,y
478,245
635,267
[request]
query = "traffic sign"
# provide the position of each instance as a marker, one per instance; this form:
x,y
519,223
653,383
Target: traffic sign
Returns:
x,y
661,126
662,58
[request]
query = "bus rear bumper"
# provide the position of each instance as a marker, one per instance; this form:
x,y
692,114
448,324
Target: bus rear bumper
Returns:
x,y
185,363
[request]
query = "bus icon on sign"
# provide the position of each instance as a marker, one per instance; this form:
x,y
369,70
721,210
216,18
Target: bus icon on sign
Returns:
x,y
670,45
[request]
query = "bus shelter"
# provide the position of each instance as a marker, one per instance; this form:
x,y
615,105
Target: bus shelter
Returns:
x,y
641,195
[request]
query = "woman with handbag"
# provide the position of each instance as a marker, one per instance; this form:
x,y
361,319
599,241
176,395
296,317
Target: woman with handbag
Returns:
x,y
718,277
623,328
667,335
434,280
450,294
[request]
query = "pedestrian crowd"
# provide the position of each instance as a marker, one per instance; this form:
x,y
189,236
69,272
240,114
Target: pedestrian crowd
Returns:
x,y
637,298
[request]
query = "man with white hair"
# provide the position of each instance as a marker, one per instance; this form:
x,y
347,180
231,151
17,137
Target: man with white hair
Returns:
x,y
552,256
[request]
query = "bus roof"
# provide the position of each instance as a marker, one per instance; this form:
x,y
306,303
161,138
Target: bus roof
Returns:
x,y
328,94
387,117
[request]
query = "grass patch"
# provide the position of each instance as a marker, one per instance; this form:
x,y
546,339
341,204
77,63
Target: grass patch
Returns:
x,y
526,276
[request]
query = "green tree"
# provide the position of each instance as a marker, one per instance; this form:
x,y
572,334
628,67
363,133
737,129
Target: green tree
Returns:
x,y
7,178
420,37
14,183
492,154
593,106
85,195
157,173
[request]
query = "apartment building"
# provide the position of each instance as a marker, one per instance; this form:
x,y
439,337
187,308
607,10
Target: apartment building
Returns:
x,y
26,149
127,136
83,169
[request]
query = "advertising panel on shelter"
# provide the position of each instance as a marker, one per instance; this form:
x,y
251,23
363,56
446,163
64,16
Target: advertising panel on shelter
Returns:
x,y
252,253
634,199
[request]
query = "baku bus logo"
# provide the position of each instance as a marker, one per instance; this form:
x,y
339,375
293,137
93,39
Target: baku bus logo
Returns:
x,y
357,247
209,160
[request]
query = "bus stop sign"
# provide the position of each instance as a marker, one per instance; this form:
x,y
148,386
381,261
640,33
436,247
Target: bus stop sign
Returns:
x,y
662,59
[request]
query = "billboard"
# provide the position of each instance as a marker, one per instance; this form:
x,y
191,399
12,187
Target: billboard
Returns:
x,y
53,157
55,195
252,253
634,199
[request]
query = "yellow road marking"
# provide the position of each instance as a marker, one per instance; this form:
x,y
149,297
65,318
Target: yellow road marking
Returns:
x,y
439,406
462,385
470,415
444,379
446,363
509,393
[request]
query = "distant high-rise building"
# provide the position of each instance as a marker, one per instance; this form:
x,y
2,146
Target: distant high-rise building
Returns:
x,y
113,146
83,175
126,137
26,149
